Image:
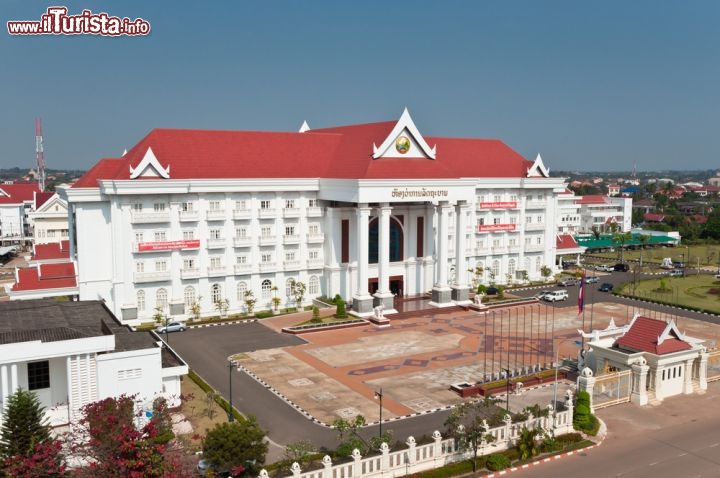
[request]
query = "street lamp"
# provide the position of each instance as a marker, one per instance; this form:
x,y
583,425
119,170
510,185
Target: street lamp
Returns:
x,y
379,396
231,417
507,394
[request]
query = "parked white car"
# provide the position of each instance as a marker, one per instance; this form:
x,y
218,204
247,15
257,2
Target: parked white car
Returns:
x,y
556,295
604,268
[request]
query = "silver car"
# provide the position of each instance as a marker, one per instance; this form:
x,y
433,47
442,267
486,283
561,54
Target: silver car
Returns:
x,y
171,327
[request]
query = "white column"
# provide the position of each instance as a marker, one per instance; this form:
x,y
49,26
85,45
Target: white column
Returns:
x,y
14,385
442,244
429,250
461,244
362,301
4,386
384,248
362,226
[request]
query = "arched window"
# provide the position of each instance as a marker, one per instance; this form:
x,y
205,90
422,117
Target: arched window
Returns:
x,y
265,289
216,293
511,267
141,300
396,241
496,268
241,289
189,296
313,285
288,287
161,298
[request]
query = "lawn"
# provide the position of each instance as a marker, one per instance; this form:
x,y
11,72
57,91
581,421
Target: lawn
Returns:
x,y
202,413
696,291
707,255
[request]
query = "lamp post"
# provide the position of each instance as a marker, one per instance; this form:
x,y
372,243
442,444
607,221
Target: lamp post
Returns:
x,y
507,394
379,397
231,417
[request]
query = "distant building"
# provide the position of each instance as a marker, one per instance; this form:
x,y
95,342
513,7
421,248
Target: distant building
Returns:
x,y
16,202
613,189
49,218
605,214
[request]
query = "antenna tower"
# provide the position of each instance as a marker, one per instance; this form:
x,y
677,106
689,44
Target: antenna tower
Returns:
x,y
40,153
634,173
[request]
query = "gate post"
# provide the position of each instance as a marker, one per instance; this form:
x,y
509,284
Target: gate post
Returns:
x,y
640,370
586,382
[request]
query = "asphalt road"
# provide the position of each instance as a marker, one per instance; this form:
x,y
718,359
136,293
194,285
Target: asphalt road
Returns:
x,y
678,439
207,349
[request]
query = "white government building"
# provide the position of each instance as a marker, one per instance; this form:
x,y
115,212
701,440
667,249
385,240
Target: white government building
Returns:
x,y
365,211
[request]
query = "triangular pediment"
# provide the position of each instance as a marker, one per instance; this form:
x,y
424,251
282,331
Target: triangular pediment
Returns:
x,y
538,169
4,193
671,332
404,141
149,167
304,127
49,205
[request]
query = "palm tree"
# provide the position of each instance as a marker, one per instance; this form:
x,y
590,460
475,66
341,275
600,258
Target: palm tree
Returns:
x,y
622,238
527,443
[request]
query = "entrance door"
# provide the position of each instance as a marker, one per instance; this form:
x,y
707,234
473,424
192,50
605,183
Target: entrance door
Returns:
x,y
396,285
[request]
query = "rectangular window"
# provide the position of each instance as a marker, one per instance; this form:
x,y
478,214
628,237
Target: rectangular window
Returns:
x,y
50,233
160,236
266,231
528,197
513,197
496,243
241,233
129,374
186,206
481,221
266,258
265,204
188,263
160,266
38,375
314,229
188,235
215,206
215,262
513,220
139,267
313,254
539,240
420,234
528,219
241,205
241,259
496,198
290,256
539,219
289,230
345,241
312,203
512,242
289,204
139,237
159,207
137,207
496,220
215,234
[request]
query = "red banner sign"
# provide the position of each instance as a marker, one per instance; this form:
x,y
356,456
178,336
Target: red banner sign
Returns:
x,y
498,205
168,245
496,227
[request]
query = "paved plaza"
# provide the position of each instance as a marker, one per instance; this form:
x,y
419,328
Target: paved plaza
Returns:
x,y
416,359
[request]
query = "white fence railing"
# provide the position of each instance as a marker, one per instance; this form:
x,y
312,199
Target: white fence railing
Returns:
x,y
417,458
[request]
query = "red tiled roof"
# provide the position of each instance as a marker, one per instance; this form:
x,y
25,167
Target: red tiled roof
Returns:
x,y
51,250
643,336
342,152
41,198
653,217
18,192
596,199
46,276
565,241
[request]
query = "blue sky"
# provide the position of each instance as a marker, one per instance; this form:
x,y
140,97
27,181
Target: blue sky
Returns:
x,y
589,85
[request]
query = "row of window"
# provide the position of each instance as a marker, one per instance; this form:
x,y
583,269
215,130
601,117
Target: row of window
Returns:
x,y
217,233
512,266
216,262
216,293
511,241
51,233
218,205
510,198
510,220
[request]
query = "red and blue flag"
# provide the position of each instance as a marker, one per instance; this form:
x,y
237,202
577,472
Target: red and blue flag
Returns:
x,y
581,294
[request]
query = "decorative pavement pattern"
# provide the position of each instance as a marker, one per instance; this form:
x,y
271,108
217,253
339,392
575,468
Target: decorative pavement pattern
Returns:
x,y
415,360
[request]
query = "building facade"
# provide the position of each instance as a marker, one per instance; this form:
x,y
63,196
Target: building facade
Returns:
x,y
366,211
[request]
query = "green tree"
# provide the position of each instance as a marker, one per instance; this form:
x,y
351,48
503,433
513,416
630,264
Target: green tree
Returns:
x,y
468,424
233,444
297,289
545,271
527,444
24,425
250,301
622,238
581,413
340,312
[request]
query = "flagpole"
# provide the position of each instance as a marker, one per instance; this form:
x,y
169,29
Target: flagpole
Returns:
x,y
581,306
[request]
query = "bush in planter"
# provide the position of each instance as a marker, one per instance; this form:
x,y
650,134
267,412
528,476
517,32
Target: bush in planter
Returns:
x,y
582,417
340,313
316,312
497,462
481,289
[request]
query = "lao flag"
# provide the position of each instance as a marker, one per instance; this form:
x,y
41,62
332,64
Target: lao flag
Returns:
x,y
581,294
